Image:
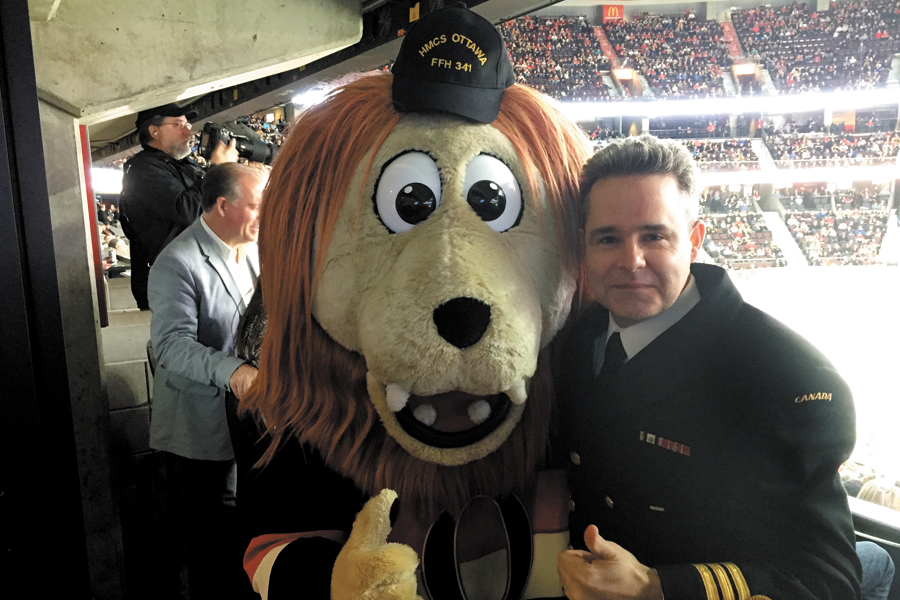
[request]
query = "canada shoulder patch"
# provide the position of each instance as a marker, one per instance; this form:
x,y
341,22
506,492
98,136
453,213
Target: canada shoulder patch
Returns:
x,y
813,396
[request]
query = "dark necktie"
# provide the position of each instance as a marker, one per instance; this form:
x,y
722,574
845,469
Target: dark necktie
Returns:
x,y
613,357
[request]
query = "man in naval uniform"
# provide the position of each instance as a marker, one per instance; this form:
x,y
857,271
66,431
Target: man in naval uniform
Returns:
x,y
703,437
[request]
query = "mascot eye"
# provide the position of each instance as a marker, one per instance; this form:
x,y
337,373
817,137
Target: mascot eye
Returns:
x,y
493,193
415,202
408,191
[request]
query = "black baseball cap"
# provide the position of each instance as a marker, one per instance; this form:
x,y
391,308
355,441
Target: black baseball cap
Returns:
x,y
452,60
166,110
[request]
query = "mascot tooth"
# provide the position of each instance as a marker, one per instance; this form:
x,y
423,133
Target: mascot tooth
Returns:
x,y
518,393
479,411
397,397
425,414
418,259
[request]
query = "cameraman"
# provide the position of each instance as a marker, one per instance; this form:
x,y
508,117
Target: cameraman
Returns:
x,y
161,188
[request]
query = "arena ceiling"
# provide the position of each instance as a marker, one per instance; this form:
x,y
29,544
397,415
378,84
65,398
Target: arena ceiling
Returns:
x,y
383,22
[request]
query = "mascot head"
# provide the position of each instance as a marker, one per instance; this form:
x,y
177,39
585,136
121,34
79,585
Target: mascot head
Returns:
x,y
418,250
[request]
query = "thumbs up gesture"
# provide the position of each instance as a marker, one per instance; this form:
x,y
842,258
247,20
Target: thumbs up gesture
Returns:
x,y
370,568
605,572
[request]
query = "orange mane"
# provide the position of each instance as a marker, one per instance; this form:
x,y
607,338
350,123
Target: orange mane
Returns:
x,y
310,387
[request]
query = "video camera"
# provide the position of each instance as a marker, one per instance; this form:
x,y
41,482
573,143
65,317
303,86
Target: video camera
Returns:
x,y
248,145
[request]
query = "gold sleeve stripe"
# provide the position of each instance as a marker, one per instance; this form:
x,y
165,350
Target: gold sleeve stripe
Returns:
x,y
711,592
724,581
739,582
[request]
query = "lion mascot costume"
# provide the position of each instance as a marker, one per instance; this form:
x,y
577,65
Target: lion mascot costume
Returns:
x,y
419,256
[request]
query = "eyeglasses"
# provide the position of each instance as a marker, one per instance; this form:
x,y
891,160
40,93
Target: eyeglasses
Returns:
x,y
183,124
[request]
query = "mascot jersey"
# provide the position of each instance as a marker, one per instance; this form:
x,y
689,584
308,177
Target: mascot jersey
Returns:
x,y
487,553
418,254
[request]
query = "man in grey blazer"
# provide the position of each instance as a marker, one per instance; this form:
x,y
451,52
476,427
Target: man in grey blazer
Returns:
x,y
198,288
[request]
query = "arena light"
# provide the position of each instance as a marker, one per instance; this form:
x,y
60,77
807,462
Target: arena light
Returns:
x,y
106,181
310,97
781,104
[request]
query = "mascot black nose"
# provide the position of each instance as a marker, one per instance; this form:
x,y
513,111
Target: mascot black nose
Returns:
x,y
462,321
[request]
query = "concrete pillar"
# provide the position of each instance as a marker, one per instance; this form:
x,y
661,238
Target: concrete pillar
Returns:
x,y
732,126
767,200
290,111
827,117
90,413
645,125
823,5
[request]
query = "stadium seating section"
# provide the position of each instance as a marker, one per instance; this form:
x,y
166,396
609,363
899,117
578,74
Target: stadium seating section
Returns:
x,y
849,46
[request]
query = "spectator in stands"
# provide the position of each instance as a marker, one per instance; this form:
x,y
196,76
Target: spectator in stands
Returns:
x,y
104,214
731,155
697,126
741,241
846,47
865,198
161,189
877,573
602,133
559,56
852,238
878,568
112,247
834,150
265,131
679,55
853,476
883,491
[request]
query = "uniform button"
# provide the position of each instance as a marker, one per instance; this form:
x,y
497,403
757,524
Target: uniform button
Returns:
x,y
571,505
576,460
609,502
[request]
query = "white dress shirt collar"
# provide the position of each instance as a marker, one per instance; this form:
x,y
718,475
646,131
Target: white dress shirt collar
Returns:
x,y
228,254
639,336
237,263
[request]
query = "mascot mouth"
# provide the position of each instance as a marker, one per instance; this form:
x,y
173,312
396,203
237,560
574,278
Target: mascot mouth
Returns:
x,y
449,428
453,419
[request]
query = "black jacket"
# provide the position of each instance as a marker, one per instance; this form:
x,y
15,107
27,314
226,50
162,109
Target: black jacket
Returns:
x,y
718,443
160,199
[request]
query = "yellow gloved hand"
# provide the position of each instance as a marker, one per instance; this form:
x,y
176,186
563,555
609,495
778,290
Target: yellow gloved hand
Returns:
x,y
368,567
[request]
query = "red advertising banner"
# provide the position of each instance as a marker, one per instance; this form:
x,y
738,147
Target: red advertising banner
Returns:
x,y
613,13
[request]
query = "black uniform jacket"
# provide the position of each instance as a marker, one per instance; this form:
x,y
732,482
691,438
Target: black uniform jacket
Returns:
x,y
160,199
713,453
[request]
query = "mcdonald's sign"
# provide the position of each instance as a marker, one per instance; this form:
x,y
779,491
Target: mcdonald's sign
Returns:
x,y
612,13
